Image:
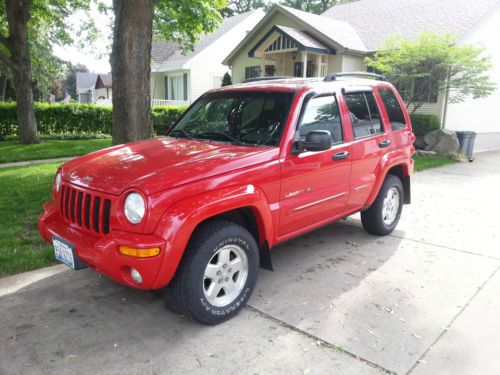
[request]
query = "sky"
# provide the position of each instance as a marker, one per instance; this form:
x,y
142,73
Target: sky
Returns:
x,y
95,56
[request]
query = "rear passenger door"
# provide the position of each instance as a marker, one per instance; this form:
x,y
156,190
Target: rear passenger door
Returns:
x,y
370,142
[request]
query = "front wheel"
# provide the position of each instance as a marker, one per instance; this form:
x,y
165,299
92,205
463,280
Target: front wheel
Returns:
x,y
383,215
217,274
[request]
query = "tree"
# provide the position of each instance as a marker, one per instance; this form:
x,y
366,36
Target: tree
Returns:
x,y
237,7
226,80
22,24
313,6
431,64
181,21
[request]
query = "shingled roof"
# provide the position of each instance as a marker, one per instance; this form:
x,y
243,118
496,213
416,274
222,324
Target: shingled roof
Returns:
x,y
376,19
165,52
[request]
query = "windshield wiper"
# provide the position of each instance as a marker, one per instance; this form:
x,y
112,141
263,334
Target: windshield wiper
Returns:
x,y
225,135
183,132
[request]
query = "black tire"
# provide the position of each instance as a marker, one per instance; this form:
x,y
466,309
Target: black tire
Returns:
x,y
186,292
373,217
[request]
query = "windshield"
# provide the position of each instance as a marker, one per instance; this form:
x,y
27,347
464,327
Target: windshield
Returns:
x,y
244,118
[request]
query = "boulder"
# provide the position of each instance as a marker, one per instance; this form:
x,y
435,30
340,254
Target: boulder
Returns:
x,y
419,143
425,153
443,141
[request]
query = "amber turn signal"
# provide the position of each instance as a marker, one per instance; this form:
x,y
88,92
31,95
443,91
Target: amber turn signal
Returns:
x,y
139,253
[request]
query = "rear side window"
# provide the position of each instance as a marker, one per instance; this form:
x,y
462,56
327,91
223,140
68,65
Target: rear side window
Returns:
x,y
364,114
321,113
394,110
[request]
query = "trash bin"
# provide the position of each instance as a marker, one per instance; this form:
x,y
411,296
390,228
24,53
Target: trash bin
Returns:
x,y
466,140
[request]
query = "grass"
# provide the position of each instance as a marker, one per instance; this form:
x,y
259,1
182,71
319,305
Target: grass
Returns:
x,y
426,162
12,151
23,192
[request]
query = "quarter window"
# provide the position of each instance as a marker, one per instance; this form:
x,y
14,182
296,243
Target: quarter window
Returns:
x,y
321,113
394,111
364,114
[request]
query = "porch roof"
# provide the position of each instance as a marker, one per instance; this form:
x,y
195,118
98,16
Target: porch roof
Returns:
x,y
282,38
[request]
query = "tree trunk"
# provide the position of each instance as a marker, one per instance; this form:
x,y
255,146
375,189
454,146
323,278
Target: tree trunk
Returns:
x,y
3,87
131,70
18,15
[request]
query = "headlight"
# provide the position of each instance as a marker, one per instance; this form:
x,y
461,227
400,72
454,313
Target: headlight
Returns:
x,y
134,208
58,182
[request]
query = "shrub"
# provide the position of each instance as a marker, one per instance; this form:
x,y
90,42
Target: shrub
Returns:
x,y
78,119
423,123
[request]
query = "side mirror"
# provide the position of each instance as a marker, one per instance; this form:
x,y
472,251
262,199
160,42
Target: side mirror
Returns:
x,y
316,140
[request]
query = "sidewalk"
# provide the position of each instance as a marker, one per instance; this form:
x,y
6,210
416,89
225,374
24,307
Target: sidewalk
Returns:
x,y
33,162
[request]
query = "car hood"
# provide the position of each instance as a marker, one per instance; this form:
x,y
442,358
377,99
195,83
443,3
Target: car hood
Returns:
x,y
160,163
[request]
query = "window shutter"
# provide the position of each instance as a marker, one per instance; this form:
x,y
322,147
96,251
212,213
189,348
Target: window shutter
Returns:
x,y
166,87
185,78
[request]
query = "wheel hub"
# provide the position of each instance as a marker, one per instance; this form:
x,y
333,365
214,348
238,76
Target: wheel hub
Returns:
x,y
390,206
225,275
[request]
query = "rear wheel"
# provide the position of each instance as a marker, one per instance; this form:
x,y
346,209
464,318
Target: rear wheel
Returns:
x,y
383,215
217,274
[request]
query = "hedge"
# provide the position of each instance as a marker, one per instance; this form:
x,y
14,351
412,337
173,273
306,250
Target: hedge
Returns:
x,y
423,124
78,119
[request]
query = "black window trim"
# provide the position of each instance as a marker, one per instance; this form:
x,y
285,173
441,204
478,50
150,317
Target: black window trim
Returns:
x,y
365,91
313,95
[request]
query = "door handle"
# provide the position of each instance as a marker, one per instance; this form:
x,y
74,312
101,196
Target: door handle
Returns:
x,y
341,155
384,143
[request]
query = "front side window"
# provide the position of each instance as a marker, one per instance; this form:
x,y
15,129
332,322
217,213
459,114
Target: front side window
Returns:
x,y
321,113
245,118
394,111
364,114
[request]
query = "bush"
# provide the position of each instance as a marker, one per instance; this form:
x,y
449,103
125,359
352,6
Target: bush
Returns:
x,y
423,124
78,119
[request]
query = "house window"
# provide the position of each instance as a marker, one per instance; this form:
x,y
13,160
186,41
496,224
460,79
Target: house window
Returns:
x,y
394,111
298,66
177,87
423,89
364,114
252,71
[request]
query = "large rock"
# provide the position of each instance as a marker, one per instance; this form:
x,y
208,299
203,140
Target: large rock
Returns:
x,y
443,141
419,142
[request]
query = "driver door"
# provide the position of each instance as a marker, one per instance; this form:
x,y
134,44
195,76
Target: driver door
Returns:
x,y
315,185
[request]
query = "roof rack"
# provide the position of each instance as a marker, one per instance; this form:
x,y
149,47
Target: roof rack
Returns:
x,y
334,76
272,78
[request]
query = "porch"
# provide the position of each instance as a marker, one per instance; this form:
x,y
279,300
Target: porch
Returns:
x,y
285,51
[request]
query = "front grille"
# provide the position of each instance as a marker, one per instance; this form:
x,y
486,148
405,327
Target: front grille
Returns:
x,y
86,210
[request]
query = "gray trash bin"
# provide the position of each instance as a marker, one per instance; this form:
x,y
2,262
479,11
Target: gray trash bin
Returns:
x,y
466,140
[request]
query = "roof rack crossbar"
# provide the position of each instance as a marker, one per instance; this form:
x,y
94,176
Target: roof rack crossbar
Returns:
x,y
334,76
271,78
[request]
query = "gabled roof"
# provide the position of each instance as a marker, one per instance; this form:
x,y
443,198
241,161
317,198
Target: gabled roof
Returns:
x,y
166,54
333,33
104,80
376,19
85,81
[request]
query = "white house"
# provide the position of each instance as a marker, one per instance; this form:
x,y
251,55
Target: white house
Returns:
x,y
290,42
178,78
85,86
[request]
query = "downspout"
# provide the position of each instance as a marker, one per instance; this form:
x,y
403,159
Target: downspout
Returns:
x,y
445,107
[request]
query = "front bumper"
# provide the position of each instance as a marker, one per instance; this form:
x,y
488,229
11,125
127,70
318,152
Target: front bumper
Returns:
x,y
101,253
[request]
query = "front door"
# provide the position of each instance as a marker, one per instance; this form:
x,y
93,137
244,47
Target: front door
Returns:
x,y
315,185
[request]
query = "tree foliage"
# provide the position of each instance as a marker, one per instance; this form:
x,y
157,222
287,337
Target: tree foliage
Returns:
x,y
226,80
431,64
313,6
237,7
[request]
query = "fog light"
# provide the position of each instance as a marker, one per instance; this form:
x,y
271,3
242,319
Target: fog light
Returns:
x,y
136,276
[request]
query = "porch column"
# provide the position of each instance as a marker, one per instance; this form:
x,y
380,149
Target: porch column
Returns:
x,y
263,65
318,65
304,64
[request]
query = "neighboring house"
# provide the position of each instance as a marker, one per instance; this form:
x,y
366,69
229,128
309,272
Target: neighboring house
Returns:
x,y
289,42
178,78
103,87
85,84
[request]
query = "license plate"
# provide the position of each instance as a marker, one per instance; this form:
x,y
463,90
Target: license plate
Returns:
x,y
64,252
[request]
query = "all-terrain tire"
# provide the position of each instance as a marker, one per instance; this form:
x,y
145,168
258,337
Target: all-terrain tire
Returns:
x,y
189,291
380,219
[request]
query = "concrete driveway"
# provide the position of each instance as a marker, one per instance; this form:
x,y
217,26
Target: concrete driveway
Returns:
x,y
423,300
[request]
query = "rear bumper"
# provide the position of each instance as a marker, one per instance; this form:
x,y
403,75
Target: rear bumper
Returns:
x,y
101,253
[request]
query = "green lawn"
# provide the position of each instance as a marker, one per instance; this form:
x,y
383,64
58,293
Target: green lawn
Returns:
x,y
426,162
23,192
11,151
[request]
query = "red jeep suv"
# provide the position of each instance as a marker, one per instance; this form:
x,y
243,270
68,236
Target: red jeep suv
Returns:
x,y
245,168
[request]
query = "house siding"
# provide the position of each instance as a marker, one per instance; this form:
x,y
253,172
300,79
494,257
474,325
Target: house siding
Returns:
x,y
351,63
481,115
